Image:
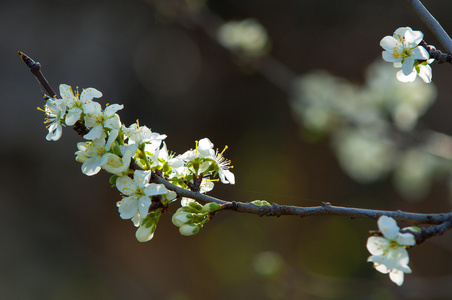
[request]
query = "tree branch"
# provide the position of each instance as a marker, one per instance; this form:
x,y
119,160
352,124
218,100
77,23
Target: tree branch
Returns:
x,y
442,221
35,68
437,54
431,23
323,210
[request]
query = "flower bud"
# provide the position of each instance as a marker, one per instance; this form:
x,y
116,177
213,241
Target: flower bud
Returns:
x,y
212,206
260,202
144,233
180,218
189,229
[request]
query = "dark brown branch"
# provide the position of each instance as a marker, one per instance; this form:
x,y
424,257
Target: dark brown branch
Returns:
x,y
323,210
428,232
35,68
437,54
431,23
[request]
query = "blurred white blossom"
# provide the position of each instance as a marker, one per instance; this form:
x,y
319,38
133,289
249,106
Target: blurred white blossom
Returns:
x,y
362,121
413,173
246,37
365,155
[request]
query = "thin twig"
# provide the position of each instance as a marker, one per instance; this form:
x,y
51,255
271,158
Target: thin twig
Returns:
x,y
323,210
35,68
439,56
432,24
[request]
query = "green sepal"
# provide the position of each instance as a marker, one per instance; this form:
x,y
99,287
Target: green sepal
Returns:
x,y
115,149
417,68
413,229
195,205
112,180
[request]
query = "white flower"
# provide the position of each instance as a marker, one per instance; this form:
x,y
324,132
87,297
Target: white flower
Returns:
x,y
160,156
138,191
120,165
205,151
226,176
93,155
96,119
76,103
389,253
142,134
55,110
403,48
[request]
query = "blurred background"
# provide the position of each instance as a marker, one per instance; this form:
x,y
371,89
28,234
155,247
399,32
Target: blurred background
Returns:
x,y
246,74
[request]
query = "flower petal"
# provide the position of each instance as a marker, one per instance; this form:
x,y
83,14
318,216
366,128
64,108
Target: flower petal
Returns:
x,y
94,133
396,276
420,53
408,65
128,207
66,92
413,37
406,78
126,185
143,205
377,245
112,109
388,43
388,226
155,189
141,178
91,167
89,93
406,239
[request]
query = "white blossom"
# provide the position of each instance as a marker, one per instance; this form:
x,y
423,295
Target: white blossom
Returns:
x,y
389,253
55,109
92,155
138,191
402,48
76,103
96,119
142,134
120,165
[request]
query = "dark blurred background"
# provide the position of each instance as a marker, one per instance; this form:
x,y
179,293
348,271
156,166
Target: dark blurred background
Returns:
x,y
62,237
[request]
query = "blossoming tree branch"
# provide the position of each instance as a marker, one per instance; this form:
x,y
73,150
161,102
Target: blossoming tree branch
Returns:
x,y
150,178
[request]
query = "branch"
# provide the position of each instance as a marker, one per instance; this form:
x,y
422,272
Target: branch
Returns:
x,y
428,232
323,210
437,54
35,68
443,221
432,24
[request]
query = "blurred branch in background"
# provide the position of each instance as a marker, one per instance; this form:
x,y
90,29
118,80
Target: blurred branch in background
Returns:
x,y
431,23
374,129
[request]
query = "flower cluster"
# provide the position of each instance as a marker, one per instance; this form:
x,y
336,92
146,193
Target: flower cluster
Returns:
x,y
192,216
403,50
113,147
389,253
